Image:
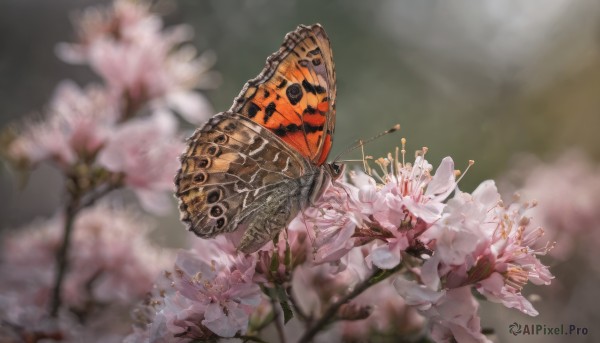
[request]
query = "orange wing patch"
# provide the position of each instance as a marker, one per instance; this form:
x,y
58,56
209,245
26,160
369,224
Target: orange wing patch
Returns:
x,y
294,96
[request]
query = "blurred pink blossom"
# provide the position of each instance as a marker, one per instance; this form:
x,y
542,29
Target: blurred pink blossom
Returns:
x,y
452,314
76,127
390,316
146,151
142,62
316,286
111,262
567,193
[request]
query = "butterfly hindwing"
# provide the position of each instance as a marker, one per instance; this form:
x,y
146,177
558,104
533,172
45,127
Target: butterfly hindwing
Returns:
x,y
294,96
228,171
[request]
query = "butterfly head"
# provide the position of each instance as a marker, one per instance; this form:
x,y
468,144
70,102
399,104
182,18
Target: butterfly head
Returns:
x,y
335,169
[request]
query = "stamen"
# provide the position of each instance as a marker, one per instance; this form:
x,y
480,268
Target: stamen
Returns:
x,y
396,166
383,163
471,162
362,150
403,151
515,278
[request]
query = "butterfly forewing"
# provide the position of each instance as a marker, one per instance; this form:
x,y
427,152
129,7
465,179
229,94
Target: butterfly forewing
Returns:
x,y
294,96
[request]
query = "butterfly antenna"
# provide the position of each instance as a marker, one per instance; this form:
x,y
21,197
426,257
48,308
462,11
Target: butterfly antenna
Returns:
x,y
360,143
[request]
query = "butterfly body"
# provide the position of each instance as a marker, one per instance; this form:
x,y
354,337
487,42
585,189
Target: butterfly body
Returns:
x,y
259,164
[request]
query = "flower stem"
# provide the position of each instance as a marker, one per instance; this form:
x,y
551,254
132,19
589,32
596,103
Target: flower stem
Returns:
x,y
330,314
277,320
62,258
76,204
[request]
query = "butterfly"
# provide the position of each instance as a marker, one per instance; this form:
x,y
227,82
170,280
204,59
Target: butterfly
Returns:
x,y
257,165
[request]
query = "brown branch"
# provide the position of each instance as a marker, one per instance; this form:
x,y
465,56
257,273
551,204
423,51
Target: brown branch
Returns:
x,y
76,204
331,312
277,318
301,315
62,258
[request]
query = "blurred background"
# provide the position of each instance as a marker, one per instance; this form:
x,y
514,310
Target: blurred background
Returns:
x,y
491,81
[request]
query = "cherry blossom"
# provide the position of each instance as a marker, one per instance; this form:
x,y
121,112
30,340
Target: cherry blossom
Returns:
x,y
141,61
145,151
482,243
76,127
206,297
567,192
112,262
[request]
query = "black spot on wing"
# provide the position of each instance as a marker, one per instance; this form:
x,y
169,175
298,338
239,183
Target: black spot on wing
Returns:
x,y
269,110
308,87
291,128
314,89
282,84
253,109
310,110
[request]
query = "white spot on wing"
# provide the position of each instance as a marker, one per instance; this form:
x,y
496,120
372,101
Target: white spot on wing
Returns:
x,y
287,165
259,149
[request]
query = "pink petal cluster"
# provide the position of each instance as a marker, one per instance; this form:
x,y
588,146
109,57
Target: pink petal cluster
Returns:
x,y
210,293
139,60
480,242
567,191
452,313
76,126
145,151
390,316
111,262
331,222
125,125
316,286
392,215
469,241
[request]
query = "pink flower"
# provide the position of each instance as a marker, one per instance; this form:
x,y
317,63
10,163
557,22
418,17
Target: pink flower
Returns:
x,y
408,203
207,297
110,262
110,249
479,242
567,192
76,127
93,23
454,318
331,222
316,286
145,150
466,223
452,314
393,214
390,316
127,46
515,261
